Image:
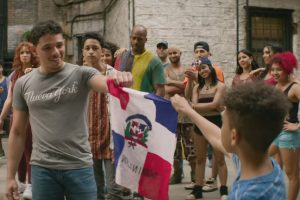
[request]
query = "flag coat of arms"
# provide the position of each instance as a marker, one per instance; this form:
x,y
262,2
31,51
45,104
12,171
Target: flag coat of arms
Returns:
x,y
143,129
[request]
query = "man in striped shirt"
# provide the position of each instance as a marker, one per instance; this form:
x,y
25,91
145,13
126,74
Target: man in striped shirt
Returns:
x,y
146,68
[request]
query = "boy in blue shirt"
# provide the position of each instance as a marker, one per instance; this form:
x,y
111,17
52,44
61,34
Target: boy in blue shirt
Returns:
x,y
253,117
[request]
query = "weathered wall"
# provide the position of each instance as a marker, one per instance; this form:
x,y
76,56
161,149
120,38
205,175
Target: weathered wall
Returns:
x,y
118,23
21,16
182,23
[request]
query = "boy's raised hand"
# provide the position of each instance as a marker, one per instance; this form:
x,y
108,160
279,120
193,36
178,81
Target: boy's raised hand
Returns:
x,y
180,104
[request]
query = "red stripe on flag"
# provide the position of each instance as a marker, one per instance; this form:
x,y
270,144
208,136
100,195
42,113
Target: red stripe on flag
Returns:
x,y
154,180
117,92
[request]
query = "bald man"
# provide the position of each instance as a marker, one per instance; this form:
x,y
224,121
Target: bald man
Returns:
x,y
147,69
175,75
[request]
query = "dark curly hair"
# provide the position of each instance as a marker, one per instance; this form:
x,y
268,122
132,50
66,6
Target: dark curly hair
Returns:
x,y
113,48
44,28
95,36
257,111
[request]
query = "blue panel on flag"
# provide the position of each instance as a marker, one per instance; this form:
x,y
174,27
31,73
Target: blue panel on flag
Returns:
x,y
167,115
118,145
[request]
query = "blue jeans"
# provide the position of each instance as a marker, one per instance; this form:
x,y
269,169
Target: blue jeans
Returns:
x,y
74,184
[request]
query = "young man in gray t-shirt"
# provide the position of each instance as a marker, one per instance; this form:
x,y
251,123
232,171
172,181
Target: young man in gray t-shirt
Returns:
x,y
53,98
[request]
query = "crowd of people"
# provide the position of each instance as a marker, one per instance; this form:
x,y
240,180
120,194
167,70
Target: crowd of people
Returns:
x,y
60,136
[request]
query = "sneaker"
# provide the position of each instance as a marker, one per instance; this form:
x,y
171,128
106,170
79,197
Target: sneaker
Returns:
x,y
21,187
27,192
175,180
190,186
223,192
127,195
210,185
195,194
136,196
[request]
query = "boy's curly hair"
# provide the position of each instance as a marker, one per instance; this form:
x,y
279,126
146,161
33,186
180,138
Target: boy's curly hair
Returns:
x,y
257,111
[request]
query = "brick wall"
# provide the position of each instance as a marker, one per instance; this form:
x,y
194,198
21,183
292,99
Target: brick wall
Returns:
x,y
21,16
184,23
21,12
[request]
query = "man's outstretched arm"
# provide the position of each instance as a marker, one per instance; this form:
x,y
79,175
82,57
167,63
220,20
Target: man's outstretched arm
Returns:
x,y
98,82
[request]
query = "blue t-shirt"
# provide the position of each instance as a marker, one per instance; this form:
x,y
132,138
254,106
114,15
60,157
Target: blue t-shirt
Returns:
x,y
3,95
270,186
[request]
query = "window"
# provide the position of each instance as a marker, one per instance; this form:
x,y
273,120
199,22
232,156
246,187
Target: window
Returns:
x,y
267,25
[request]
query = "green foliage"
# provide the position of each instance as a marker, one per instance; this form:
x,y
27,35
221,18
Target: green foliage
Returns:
x,y
26,36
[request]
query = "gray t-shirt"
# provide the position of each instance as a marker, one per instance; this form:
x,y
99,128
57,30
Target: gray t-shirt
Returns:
x,y
57,106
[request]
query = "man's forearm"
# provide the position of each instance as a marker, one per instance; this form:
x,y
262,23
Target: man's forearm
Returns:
x,y
16,143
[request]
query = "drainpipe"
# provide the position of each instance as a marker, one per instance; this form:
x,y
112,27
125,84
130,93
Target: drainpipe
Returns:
x,y
248,25
129,18
133,12
237,26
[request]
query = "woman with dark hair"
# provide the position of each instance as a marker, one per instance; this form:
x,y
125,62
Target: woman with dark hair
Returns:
x,y
288,141
245,64
206,100
263,73
24,61
108,52
268,51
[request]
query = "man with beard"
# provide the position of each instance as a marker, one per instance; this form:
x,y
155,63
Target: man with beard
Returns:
x,y
162,52
175,75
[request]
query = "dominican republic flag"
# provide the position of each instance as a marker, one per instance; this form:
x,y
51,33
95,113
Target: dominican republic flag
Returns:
x,y
143,129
